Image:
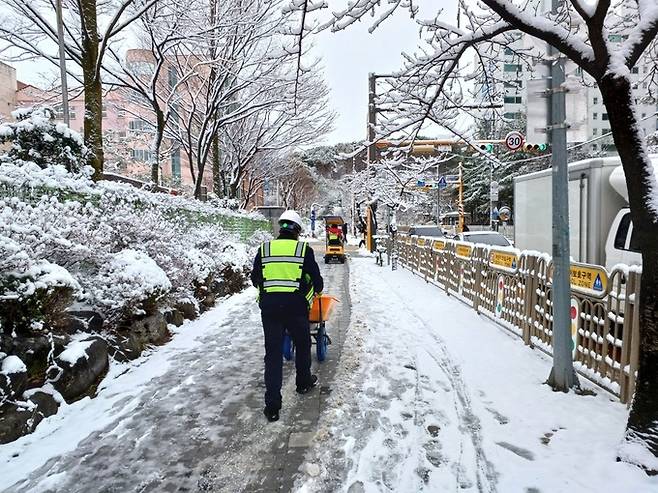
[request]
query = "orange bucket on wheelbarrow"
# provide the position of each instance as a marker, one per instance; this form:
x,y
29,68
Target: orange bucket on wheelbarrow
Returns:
x,y
321,308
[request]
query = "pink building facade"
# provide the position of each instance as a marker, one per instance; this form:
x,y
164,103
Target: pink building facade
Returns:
x,y
128,133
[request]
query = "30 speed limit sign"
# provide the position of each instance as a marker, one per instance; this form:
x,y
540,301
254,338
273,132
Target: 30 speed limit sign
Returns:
x,y
514,141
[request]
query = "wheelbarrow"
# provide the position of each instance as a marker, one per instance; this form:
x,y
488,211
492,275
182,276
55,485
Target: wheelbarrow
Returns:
x,y
320,313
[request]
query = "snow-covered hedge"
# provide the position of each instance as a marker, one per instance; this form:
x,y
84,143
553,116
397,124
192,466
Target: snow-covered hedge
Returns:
x,y
111,247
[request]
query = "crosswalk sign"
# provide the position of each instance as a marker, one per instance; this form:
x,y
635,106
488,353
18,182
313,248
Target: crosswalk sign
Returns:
x,y
598,285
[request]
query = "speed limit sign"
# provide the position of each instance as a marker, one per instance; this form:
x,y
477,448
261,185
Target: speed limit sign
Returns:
x,y
514,141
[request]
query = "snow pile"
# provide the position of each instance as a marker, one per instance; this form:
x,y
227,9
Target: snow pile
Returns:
x,y
13,364
75,351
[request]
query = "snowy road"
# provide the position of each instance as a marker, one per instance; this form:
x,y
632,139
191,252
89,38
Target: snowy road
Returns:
x,y
189,418
425,396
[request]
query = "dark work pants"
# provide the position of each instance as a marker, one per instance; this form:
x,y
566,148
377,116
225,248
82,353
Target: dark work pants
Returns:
x,y
276,320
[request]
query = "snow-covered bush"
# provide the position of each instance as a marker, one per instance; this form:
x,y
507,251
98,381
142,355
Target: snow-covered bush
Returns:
x,y
88,229
32,292
130,282
36,137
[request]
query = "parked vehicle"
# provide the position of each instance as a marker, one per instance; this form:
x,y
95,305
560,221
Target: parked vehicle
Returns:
x,y
601,230
428,230
492,238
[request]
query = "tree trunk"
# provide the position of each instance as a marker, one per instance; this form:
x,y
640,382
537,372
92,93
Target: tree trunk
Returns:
x,y
93,121
157,144
216,172
618,98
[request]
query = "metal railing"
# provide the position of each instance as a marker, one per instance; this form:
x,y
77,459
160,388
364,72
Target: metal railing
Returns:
x,y
514,289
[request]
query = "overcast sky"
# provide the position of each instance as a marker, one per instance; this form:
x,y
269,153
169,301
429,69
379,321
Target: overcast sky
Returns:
x,y
348,56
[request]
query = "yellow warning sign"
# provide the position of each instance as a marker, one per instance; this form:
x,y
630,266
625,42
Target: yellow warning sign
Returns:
x,y
463,251
438,245
589,278
500,259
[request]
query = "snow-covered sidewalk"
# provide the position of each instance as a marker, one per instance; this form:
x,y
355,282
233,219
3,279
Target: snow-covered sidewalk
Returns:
x,y
435,398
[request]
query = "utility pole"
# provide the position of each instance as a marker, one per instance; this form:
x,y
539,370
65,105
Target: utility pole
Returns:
x,y
563,376
491,219
62,62
460,206
438,197
372,118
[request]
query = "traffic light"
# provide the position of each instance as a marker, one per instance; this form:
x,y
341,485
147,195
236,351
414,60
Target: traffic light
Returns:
x,y
538,148
486,147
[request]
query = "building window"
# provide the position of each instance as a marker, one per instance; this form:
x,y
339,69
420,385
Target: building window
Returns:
x,y
644,115
139,126
635,70
512,67
175,164
141,155
104,112
509,51
595,100
604,117
617,38
121,113
172,76
513,99
595,116
595,147
595,132
512,116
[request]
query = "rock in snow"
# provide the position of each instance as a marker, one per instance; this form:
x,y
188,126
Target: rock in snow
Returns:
x,y
82,364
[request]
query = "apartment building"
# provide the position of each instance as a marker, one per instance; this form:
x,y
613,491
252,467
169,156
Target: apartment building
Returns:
x,y
8,86
520,79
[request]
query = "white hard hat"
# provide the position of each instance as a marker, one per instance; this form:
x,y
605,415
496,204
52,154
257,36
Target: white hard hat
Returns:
x,y
288,217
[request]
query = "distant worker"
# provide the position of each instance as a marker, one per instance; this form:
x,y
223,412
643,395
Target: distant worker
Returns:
x,y
334,234
288,277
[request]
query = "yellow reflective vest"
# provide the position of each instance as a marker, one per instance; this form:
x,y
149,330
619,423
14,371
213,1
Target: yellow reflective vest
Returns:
x,y
282,262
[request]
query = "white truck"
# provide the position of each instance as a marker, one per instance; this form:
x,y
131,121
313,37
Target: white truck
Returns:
x,y
600,226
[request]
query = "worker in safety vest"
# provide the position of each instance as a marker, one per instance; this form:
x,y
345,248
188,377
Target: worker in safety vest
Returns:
x,y
288,277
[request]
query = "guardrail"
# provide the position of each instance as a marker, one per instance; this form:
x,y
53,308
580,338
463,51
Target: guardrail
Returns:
x,y
513,288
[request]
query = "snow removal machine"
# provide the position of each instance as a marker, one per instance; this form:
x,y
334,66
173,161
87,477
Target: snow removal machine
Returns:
x,y
334,239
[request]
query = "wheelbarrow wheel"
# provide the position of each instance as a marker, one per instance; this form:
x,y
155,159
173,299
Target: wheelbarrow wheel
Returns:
x,y
288,348
322,343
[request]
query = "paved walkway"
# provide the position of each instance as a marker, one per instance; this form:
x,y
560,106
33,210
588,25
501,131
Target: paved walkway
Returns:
x,y
199,426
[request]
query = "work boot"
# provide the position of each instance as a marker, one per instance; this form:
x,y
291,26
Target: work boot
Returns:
x,y
308,387
271,414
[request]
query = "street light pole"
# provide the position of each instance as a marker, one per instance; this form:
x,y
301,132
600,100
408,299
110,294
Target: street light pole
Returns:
x,y
491,224
62,62
438,196
563,376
